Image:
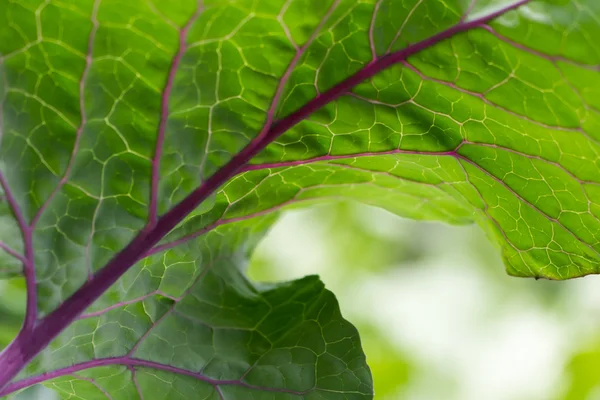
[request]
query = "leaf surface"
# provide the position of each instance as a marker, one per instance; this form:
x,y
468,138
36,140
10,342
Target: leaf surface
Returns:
x,y
169,135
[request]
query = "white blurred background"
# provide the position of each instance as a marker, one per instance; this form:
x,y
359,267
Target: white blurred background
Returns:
x,y
440,318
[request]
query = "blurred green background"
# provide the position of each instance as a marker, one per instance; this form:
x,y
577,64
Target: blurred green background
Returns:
x,y
438,316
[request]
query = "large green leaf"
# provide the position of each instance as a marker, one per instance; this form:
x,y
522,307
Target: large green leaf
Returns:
x,y
189,325
124,120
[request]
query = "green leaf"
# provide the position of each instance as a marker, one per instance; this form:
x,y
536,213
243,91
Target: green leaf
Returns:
x,y
582,383
143,142
205,331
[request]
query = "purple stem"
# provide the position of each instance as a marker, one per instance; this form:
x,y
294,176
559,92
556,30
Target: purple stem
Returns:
x,y
28,344
164,116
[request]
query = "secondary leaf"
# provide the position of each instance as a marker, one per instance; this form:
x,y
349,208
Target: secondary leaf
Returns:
x,y
160,134
191,326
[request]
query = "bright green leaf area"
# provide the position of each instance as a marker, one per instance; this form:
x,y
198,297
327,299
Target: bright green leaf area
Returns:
x,y
583,384
497,125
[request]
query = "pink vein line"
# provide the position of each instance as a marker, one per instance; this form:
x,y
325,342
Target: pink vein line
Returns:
x,y
82,115
219,222
131,363
288,72
491,103
28,259
96,384
171,309
208,228
26,347
468,12
372,31
529,203
125,303
135,381
164,116
12,252
552,58
220,393
253,167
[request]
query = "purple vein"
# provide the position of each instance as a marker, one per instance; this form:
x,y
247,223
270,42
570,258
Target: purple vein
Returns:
x,y
172,308
486,212
125,303
408,17
536,157
132,363
149,331
164,115
82,114
135,381
529,203
288,72
253,167
284,164
491,103
372,31
225,221
8,270
270,113
28,261
210,227
93,382
549,57
468,12
12,252
26,347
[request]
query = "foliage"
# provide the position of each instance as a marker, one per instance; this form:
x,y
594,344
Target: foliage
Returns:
x,y
146,147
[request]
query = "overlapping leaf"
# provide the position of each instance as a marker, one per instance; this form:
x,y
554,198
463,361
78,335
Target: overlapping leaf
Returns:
x,y
114,112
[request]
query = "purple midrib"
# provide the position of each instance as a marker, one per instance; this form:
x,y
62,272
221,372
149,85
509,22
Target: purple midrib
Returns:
x,y
27,345
134,362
